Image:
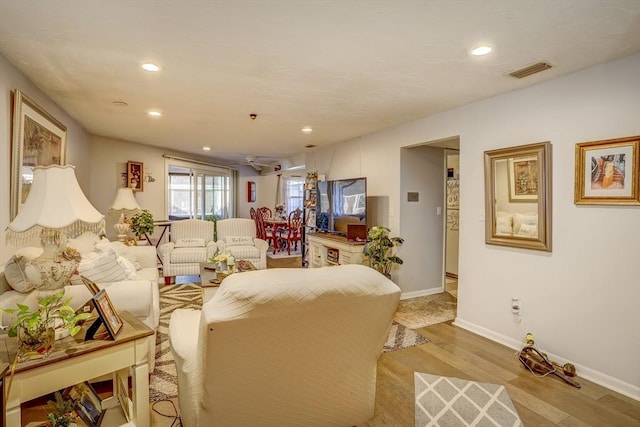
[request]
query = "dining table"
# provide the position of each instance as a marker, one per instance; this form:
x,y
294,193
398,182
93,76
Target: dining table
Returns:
x,y
275,224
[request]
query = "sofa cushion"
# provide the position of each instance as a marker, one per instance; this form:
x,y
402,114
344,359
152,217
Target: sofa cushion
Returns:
x,y
127,252
245,252
527,230
519,219
184,255
238,240
191,242
102,267
84,243
504,225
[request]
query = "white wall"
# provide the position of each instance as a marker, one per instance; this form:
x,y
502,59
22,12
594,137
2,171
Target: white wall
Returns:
x,y
78,146
581,300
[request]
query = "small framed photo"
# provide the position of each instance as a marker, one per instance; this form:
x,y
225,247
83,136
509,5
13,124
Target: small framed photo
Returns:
x,y
108,314
606,172
93,288
135,175
86,403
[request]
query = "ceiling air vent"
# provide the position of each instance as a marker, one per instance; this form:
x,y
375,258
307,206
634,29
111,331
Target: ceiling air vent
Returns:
x,y
529,70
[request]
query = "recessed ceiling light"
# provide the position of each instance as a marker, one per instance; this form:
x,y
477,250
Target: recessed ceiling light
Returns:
x,y
481,50
206,148
151,67
307,129
155,113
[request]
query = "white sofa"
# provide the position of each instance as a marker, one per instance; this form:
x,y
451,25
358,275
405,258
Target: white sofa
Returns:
x,y
140,297
284,347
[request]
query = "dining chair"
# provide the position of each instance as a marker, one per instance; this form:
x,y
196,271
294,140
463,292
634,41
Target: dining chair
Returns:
x,y
291,233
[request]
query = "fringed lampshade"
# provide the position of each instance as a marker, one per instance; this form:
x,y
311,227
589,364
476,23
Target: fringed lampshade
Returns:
x,y
55,210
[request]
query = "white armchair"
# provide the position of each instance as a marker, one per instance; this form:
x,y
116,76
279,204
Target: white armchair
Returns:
x,y
191,243
284,347
237,236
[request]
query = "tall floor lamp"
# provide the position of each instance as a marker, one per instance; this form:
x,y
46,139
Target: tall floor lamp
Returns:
x,y
56,209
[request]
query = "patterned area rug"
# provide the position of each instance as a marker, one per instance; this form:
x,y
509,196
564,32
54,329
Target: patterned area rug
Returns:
x,y
416,313
164,383
446,401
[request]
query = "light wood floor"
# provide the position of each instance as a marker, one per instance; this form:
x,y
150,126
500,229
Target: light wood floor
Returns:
x,y
456,352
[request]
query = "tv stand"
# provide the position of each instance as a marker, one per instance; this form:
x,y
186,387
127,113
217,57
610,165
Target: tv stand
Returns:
x,y
331,249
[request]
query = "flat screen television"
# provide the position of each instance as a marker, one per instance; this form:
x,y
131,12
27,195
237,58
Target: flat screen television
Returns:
x,y
341,202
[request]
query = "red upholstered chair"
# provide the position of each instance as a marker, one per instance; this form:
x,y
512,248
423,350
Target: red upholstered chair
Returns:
x,y
293,230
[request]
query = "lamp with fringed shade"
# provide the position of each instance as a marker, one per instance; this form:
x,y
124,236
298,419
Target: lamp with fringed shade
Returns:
x,y
56,209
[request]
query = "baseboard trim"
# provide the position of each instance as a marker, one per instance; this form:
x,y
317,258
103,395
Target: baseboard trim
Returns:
x,y
597,377
416,294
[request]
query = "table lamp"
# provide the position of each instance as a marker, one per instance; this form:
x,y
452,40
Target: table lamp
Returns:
x,y
56,209
125,206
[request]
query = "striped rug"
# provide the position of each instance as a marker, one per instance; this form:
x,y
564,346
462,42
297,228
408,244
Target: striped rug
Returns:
x,y
164,383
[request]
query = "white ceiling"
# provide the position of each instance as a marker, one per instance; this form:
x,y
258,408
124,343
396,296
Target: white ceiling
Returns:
x,y
345,68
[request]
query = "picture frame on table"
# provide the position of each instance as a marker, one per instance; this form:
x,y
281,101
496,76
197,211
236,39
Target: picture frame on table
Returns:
x,y
135,175
523,179
86,403
38,139
606,172
108,314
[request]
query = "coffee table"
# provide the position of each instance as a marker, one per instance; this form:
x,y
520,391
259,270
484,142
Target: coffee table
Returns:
x,y
209,277
74,361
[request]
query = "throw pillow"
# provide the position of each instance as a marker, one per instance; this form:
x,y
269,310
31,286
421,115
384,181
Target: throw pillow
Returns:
x,y
128,253
84,243
238,240
519,219
528,230
504,225
102,267
189,243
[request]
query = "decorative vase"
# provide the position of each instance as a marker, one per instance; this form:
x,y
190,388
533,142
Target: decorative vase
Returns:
x,y
36,344
222,267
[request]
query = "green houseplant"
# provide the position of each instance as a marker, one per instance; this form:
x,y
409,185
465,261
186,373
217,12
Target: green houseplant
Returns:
x,y
142,223
62,411
35,328
380,249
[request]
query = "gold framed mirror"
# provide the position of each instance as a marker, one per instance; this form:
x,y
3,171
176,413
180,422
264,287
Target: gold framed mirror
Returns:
x,y
518,196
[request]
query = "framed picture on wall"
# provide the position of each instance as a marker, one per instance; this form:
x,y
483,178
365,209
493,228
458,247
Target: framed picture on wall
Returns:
x,y
135,176
607,172
251,191
38,140
523,179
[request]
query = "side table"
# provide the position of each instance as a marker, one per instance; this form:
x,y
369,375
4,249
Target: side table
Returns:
x,y
74,361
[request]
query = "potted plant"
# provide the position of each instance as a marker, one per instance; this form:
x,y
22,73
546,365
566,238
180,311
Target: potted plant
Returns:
x,y
214,219
380,249
35,329
62,411
142,223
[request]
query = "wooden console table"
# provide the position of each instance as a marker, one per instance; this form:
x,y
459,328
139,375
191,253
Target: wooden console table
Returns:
x,y
328,249
74,361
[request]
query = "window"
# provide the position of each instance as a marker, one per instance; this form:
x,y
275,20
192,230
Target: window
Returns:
x,y
294,193
198,191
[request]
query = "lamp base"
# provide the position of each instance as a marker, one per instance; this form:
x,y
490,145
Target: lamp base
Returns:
x,y
50,275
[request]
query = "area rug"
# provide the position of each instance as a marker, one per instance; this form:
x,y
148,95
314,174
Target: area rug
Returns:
x,y
164,383
447,401
415,313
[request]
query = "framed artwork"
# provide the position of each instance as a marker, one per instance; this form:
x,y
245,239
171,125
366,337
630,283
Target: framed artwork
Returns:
x,y
607,172
38,140
453,194
108,314
251,191
86,403
135,176
523,179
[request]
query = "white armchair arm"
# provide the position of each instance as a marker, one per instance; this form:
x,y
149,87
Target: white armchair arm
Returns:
x,y
212,248
222,246
165,250
261,244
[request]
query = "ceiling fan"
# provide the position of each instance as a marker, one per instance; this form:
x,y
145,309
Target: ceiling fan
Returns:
x,y
254,163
